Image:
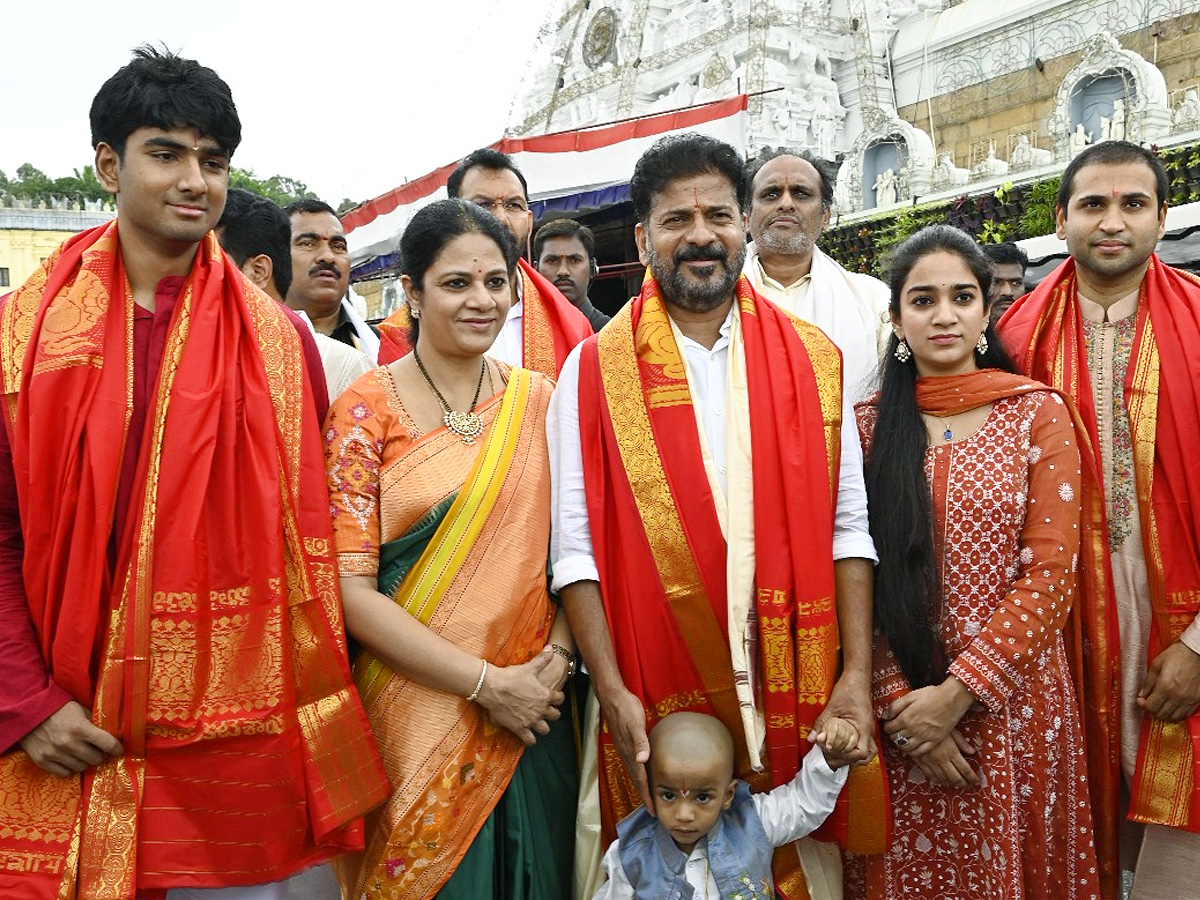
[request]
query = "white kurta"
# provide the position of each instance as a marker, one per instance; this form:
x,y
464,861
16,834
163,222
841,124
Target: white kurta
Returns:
x,y
571,552
716,382
851,309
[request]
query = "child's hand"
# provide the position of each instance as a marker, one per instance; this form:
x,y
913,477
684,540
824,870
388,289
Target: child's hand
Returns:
x,y
837,738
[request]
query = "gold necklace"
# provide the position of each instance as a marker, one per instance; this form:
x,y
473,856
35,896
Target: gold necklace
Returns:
x,y
467,425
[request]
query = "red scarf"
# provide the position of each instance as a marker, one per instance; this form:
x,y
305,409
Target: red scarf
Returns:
x,y
552,326
1044,332
659,547
215,645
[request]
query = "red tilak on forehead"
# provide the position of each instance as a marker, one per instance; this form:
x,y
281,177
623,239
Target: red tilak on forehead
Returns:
x,y
696,192
683,788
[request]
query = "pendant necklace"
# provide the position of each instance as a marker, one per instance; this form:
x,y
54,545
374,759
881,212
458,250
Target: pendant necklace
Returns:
x,y
467,425
948,434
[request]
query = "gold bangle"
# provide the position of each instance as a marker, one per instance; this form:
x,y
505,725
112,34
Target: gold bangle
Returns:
x,y
479,684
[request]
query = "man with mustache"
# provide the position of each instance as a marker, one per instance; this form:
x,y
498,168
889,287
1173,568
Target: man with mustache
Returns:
x,y
790,197
710,536
565,252
321,276
1009,263
1118,330
542,325
257,235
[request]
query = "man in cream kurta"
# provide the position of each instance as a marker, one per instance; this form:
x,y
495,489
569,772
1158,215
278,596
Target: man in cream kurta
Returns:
x,y
689,259
1112,212
790,195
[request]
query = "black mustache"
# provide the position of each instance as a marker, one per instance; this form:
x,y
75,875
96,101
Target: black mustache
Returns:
x,y
711,252
324,267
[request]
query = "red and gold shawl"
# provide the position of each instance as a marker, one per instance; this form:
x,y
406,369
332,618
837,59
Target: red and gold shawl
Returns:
x,y
661,554
1044,332
552,326
214,649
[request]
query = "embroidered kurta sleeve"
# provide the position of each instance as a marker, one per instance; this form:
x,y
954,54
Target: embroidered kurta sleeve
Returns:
x,y
888,683
1034,609
354,442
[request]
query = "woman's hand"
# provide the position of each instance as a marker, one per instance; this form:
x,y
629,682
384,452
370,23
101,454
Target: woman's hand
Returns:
x,y
516,698
946,762
923,718
554,675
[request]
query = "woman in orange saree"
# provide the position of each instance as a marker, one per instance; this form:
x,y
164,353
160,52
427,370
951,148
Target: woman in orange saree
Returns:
x,y
974,481
441,522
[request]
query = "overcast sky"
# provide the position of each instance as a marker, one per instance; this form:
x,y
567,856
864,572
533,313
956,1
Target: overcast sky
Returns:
x,y
349,97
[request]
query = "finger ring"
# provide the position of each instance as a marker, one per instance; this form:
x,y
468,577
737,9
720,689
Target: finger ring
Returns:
x,y
900,739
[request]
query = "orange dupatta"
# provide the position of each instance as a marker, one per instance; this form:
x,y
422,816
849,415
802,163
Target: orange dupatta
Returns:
x,y
217,639
552,326
1044,331
661,554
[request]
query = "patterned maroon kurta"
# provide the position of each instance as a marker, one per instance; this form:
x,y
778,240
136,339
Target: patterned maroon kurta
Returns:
x,y
1006,532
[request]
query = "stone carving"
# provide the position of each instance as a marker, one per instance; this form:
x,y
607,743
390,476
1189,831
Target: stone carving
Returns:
x,y
824,128
1144,114
716,73
1116,128
1187,114
1025,156
885,188
668,54
946,175
914,151
989,166
600,39
1079,139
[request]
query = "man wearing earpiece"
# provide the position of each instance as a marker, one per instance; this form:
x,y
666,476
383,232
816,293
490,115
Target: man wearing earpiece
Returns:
x,y
564,251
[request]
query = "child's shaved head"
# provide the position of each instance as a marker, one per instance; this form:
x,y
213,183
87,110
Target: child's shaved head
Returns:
x,y
691,736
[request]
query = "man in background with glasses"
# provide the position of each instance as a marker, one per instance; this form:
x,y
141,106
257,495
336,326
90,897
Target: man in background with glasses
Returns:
x,y
542,325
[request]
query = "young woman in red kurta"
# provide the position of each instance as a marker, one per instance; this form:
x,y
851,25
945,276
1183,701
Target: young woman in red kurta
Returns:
x,y
973,481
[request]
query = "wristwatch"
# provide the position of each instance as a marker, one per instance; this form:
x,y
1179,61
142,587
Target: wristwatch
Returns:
x,y
572,660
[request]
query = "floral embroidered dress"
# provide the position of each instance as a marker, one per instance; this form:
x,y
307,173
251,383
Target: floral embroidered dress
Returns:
x,y
458,534
1006,534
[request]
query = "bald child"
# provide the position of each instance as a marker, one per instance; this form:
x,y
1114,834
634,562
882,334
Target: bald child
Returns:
x,y
712,837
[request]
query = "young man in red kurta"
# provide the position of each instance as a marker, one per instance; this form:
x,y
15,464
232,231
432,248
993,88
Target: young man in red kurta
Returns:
x,y
175,701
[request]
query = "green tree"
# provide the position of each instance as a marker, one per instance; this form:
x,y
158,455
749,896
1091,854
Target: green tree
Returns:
x,y
280,188
32,182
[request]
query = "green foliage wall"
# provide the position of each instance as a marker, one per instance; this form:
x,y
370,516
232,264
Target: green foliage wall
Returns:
x,y
1009,213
